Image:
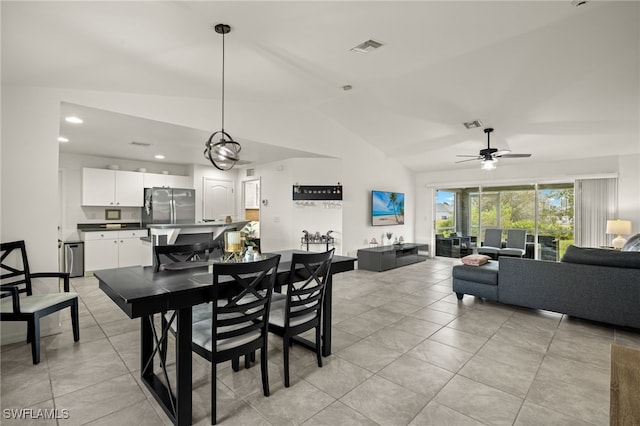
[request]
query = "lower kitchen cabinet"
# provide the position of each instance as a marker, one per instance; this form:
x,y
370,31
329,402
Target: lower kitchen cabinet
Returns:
x,y
112,249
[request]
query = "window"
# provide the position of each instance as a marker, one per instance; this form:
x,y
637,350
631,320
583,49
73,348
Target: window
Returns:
x,y
445,212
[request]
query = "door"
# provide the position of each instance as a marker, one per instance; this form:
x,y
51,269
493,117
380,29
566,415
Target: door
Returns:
x,y
218,199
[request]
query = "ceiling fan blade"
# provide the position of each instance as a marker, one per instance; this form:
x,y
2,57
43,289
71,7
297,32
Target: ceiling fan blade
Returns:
x,y
474,156
501,152
516,155
464,161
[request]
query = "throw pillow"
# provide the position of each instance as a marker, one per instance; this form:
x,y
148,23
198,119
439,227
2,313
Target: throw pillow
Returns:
x,y
475,259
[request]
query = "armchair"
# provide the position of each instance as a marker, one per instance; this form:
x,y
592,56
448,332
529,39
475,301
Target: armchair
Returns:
x,y
17,301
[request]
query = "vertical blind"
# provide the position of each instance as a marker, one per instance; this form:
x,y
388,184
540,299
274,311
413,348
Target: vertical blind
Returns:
x,y
596,201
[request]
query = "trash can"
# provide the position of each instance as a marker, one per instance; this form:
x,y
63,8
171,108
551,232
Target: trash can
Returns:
x,y
74,259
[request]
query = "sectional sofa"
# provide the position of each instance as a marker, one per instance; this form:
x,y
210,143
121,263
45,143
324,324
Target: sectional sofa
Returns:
x,y
594,284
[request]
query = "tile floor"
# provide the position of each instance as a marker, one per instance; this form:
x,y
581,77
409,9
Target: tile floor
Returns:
x,y
406,352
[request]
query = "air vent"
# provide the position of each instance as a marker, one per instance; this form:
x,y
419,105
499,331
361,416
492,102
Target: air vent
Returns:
x,y
251,172
473,124
366,47
144,144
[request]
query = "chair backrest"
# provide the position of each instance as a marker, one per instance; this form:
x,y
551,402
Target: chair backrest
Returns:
x,y
14,267
242,296
182,253
307,283
493,237
516,238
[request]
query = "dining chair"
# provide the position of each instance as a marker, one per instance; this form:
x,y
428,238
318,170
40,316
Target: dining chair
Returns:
x,y
182,256
238,324
516,243
492,243
300,309
19,303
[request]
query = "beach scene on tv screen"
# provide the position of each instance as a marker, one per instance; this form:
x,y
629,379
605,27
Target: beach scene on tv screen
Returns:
x,y
387,208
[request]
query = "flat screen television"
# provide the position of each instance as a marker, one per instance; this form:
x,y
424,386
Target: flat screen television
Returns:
x,y
387,208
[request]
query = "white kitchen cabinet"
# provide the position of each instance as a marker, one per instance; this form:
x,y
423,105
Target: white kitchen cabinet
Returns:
x,y
165,181
104,187
112,249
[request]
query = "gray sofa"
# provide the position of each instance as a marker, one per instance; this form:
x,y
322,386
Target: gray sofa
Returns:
x,y
595,284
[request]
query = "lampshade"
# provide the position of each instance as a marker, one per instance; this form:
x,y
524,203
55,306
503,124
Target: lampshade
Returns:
x,y
619,227
489,164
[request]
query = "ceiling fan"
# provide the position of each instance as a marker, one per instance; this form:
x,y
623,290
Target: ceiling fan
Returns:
x,y
489,156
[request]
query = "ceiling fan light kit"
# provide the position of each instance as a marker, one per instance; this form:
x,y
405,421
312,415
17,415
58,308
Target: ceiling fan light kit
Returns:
x,y
489,156
222,153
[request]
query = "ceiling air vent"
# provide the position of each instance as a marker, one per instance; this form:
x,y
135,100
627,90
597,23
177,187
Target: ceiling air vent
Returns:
x,y
143,144
366,47
251,172
473,124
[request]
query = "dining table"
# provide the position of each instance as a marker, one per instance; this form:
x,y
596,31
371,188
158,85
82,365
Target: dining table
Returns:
x,y
141,292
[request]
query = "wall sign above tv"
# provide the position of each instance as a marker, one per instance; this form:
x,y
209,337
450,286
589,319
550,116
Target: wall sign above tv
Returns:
x,y
387,208
317,192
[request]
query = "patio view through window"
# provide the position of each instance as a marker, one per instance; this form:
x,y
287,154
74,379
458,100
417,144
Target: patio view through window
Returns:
x,y
545,211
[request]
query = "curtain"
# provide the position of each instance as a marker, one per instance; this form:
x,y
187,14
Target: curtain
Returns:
x,y
596,201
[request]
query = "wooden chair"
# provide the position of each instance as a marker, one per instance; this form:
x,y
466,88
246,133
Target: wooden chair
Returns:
x,y
301,308
181,256
239,317
17,301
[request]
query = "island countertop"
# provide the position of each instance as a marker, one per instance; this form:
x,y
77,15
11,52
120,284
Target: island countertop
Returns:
x,y
240,224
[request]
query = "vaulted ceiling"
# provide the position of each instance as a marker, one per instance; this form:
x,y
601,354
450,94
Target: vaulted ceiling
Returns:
x,y
554,80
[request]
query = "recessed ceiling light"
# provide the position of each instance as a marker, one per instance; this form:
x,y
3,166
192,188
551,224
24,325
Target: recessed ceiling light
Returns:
x,y
73,119
473,124
62,139
366,47
160,157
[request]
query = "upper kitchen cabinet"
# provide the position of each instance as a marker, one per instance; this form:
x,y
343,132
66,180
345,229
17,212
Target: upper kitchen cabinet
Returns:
x,y
165,181
103,187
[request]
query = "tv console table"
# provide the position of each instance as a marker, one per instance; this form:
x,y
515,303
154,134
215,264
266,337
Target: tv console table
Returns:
x,y
390,257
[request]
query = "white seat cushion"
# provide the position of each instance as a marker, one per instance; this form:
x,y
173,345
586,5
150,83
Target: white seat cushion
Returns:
x,y
36,302
201,336
276,317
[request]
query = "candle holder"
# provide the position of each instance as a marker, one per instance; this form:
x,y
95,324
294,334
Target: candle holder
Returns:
x,y
233,246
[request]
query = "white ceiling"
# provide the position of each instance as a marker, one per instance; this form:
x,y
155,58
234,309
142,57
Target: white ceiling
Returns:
x,y
554,80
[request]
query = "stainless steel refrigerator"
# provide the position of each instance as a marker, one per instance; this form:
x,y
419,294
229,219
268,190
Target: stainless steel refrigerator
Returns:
x,y
169,205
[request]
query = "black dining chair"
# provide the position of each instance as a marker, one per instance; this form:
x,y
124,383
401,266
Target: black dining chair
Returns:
x,y
183,256
19,303
300,309
238,324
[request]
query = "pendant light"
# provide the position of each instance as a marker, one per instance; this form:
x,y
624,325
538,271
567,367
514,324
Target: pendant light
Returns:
x,y
222,152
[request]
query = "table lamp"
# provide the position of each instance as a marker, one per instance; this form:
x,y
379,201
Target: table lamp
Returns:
x,y
233,246
618,227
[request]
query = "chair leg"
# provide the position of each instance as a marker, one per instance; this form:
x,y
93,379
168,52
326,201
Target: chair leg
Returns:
x,y
285,353
247,360
75,324
264,369
235,364
318,346
34,326
214,392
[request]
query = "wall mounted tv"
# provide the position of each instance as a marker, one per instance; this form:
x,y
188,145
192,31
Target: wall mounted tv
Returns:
x,y
387,208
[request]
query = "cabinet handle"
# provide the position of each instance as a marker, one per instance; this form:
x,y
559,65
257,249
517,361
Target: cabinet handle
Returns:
x,y
101,235
115,242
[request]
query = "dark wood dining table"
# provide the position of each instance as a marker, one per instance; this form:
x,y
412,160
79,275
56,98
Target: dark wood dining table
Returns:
x,y
141,293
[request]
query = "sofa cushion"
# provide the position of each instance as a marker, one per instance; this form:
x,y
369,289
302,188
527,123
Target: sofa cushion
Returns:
x,y
602,257
485,274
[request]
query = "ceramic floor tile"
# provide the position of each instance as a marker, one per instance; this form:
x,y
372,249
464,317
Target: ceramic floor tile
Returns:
x,y
20,415
438,414
479,401
535,415
360,327
140,413
339,414
384,402
497,349
595,352
416,326
368,355
442,355
336,377
459,339
395,339
416,375
507,378
432,315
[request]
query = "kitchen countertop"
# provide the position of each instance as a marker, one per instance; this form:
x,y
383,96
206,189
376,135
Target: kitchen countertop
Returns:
x,y
195,225
93,227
